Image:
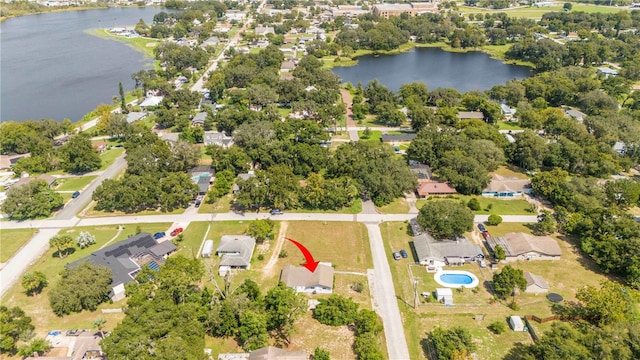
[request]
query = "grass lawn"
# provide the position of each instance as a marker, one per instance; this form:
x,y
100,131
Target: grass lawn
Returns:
x,y
38,306
92,212
345,245
467,304
488,205
536,13
109,156
355,208
193,237
66,196
142,44
12,240
510,171
222,205
398,206
375,135
74,183
509,125
505,228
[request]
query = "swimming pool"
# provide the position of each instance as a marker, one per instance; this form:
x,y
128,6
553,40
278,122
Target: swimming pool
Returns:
x,y
456,279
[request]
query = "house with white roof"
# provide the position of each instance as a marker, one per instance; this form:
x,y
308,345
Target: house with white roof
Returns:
x,y
236,252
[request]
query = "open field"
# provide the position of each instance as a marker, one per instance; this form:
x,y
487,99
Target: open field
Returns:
x,y
536,13
354,208
38,306
142,44
222,205
398,206
487,205
509,125
468,303
12,240
74,183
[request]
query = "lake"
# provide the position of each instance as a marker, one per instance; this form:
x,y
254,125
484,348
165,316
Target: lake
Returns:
x,y
435,67
52,69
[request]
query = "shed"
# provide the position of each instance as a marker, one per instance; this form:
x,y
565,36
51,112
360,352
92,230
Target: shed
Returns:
x,y
445,296
207,249
516,323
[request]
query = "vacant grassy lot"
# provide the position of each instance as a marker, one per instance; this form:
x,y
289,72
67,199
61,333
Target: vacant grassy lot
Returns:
x,y
375,135
12,240
222,205
536,13
510,171
345,245
488,205
468,304
74,183
92,212
398,206
509,125
38,306
109,156
354,208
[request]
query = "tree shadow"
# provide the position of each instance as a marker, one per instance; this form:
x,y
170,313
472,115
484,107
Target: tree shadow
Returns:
x,y
66,252
488,286
517,352
427,349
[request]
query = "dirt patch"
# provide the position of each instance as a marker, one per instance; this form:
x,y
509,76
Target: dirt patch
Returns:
x,y
267,270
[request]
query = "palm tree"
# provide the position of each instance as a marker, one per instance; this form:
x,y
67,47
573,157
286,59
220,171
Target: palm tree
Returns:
x,y
99,324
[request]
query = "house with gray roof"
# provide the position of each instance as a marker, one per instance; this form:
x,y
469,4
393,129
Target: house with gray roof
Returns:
x,y
536,284
522,246
506,187
217,138
236,252
463,115
302,280
432,252
135,116
199,119
397,138
576,114
126,257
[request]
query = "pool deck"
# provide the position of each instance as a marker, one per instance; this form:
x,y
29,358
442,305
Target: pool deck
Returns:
x,y
474,279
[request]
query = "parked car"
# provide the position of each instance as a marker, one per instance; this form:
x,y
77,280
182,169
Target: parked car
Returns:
x,y
276,212
75,194
486,235
404,254
199,200
177,231
396,255
482,228
159,235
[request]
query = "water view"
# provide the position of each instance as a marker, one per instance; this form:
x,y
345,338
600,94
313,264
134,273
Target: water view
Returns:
x,y
52,69
434,67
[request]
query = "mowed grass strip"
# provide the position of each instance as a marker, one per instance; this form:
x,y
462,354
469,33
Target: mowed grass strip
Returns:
x,y
109,156
345,245
12,240
487,205
398,206
38,306
74,183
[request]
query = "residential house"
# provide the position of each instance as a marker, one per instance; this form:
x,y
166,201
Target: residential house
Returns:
x,y
223,28
201,176
236,252
434,253
236,15
422,171
7,160
172,137
510,138
302,280
505,187
264,30
100,146
427,188
50,180
396,139
274,353
536,284
576,114
522,246
243,176
507,112
151,101
607,72
466,115
217,138
135,116
445,296
212,41
126,257
287,66
199,119
620,147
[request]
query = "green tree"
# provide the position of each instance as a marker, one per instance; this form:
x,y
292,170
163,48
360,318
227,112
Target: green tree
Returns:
x,y
546,223
123,103
82,287
34,282
85,239
367,321
62,243
77,156
474,204
99,324
623,192
367,346
498,327
14,325
494,220
499,253
507,281
446,342
321,354
33,200
260,229
445,218
37,345
283,307
253,330
336,310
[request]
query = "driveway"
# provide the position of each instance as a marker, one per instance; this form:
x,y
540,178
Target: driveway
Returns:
x,y
384,297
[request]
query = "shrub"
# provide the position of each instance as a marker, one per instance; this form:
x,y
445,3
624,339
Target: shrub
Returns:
x,y
497,327
494,220
260,257
283,254
473,204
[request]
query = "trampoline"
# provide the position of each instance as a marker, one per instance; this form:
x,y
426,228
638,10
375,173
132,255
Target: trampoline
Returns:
x,y
554,297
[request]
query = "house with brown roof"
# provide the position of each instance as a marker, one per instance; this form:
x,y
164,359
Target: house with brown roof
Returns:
x,y
7,160
522,246
466,115
428,188
100,146
536,284
506,187
50,180
302,280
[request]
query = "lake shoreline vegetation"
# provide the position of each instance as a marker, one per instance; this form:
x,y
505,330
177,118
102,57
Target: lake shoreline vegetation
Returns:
x,y
282,158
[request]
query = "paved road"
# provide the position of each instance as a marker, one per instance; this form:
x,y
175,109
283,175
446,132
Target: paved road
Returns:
x,y
384,297
75,205
25,257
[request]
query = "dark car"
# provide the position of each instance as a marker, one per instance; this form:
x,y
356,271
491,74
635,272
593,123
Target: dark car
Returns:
x,y
482,228
276,212
396,255
177,231
75,194
159,235
404,254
